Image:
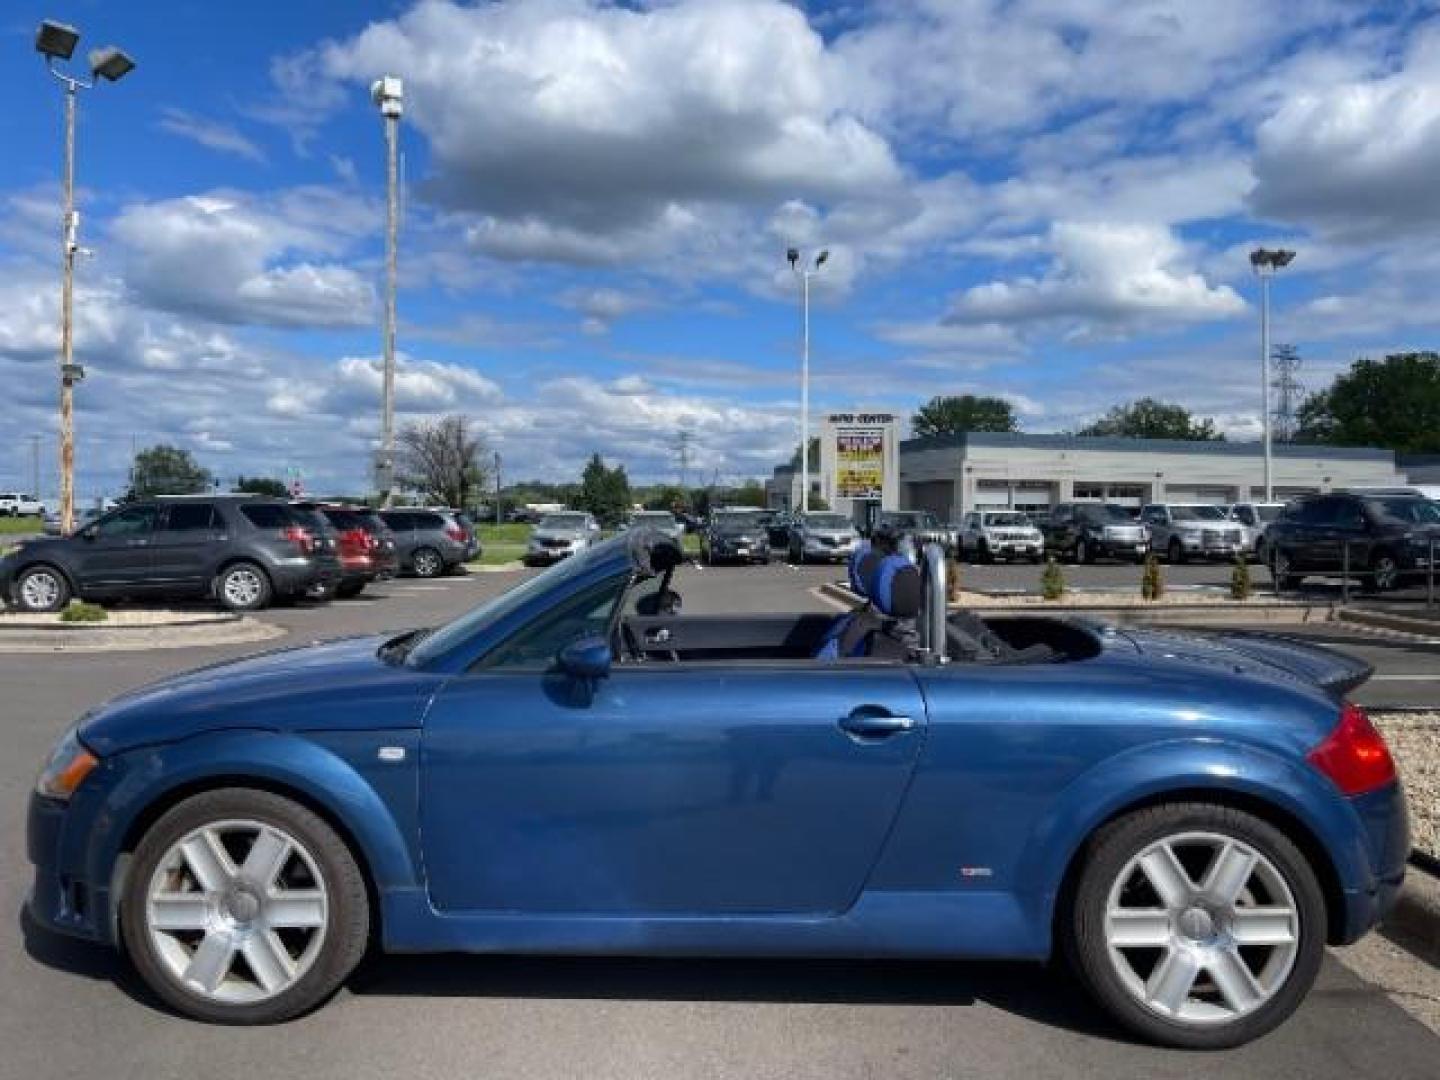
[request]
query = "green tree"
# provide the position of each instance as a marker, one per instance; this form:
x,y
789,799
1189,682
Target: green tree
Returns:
x,y
262,485
1149,418
955,415
166,470
443,460
605,492
1392,403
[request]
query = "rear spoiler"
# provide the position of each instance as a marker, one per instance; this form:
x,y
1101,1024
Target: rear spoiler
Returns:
x,y
1333,672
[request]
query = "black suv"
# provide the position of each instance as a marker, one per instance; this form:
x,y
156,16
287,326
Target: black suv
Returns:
x,y
1087,531
1387,537
244,551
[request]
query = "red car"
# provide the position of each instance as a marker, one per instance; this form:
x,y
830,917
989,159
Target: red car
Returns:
x,y
366,546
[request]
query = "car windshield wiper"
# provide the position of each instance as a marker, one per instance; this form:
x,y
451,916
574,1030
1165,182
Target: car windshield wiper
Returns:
x,y
397,649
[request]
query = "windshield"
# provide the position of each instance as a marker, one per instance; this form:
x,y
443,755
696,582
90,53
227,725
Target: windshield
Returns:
x,y
562,521
1006,519
827,521
1197,513
1107,513
733,523
1409,511
440,641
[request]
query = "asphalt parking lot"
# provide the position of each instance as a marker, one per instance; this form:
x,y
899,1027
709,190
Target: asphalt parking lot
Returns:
x,y
72,1010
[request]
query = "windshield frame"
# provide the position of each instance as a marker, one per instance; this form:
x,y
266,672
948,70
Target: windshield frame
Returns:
x,y
992,518
1197,512
826,519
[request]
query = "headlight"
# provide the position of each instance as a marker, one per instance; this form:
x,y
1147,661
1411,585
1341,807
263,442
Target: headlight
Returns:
x,y
69,765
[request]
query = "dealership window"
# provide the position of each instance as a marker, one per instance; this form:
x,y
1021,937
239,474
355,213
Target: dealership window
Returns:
x,y
1089,490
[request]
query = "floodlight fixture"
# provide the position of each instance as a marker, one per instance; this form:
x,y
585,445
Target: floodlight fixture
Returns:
x,y
56,40
110,63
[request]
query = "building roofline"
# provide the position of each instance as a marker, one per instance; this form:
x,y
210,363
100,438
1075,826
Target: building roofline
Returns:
x,y
1115,444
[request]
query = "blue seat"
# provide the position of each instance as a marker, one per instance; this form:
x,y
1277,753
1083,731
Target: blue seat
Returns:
x,y
893,588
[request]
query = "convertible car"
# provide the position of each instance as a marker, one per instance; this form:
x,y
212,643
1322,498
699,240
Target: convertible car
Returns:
x,y
579,767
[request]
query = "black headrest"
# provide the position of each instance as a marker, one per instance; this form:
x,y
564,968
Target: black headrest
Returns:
x,y
895,587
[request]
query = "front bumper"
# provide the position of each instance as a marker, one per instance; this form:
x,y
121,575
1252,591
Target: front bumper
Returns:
x,y
541,555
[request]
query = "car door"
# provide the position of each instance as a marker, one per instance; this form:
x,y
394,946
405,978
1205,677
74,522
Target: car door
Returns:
x,y
183,545
663,789
402,526
115,552
1320,534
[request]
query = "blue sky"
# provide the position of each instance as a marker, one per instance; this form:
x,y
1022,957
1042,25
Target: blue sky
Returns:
x,y
1050,201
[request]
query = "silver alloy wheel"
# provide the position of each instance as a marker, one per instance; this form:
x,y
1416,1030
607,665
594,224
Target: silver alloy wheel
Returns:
x,y
1202,928
1387,573
242,587
40,591
427,563
237,911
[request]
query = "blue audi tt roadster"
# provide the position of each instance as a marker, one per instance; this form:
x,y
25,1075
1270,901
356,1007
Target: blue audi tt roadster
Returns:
x,y
578,767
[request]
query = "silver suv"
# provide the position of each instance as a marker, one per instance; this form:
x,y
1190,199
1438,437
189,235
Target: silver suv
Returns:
x,y
986,535
1183,531
821,537
557,536
1254,517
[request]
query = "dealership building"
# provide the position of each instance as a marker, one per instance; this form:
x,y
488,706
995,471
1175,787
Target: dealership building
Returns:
x,y
952,474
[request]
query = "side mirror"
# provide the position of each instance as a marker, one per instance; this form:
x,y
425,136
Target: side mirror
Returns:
x,y
586,658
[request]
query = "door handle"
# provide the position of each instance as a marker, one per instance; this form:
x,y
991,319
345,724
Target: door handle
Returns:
x,y
869,722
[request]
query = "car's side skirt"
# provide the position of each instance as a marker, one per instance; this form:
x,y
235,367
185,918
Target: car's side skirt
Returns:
x,y
990,925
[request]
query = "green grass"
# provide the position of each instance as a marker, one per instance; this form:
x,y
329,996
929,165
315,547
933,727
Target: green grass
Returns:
x,y
13,526
501,543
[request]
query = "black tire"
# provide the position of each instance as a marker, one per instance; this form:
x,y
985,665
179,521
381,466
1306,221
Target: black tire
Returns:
x,y
346,935
427,563
348,590
49,589
1175,553
255,593
1082,927
1384,572
1280,575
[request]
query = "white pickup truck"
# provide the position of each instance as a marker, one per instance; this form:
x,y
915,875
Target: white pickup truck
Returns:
x,y
13,504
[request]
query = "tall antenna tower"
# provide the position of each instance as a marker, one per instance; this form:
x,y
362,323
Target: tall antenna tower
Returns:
x,y
683,438
1289,392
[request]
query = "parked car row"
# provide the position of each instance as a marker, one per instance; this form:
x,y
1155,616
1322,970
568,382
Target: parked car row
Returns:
x,y
242,551
17,504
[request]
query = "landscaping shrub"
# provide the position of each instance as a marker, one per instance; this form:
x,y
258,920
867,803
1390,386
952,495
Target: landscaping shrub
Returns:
x,y
1152,585
79,611
1240,584
1052,581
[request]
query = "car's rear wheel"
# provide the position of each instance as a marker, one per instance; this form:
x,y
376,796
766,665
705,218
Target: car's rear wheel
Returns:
x,y
1196,925
243,586
243,907
427,563
42,588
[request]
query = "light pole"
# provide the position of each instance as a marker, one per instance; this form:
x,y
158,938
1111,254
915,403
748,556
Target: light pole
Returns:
x,y
1265,261
499,520
388,93
805,273
56,41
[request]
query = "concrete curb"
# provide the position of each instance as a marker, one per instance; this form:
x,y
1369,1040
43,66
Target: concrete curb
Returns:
x,y
1216,614
495,568
1387,620
97,637
1414,923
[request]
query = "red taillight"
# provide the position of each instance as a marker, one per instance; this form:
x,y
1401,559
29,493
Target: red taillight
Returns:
x,y
456,533
1354,756
299,536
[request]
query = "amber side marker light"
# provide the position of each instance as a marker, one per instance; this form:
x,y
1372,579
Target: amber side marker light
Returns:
x,y
1354,756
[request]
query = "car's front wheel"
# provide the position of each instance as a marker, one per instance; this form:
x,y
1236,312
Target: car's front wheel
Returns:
x,y
42,588
243,907
1196,925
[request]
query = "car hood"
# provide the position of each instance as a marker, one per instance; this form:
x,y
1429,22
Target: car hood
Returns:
x,y
1268,656
338,685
